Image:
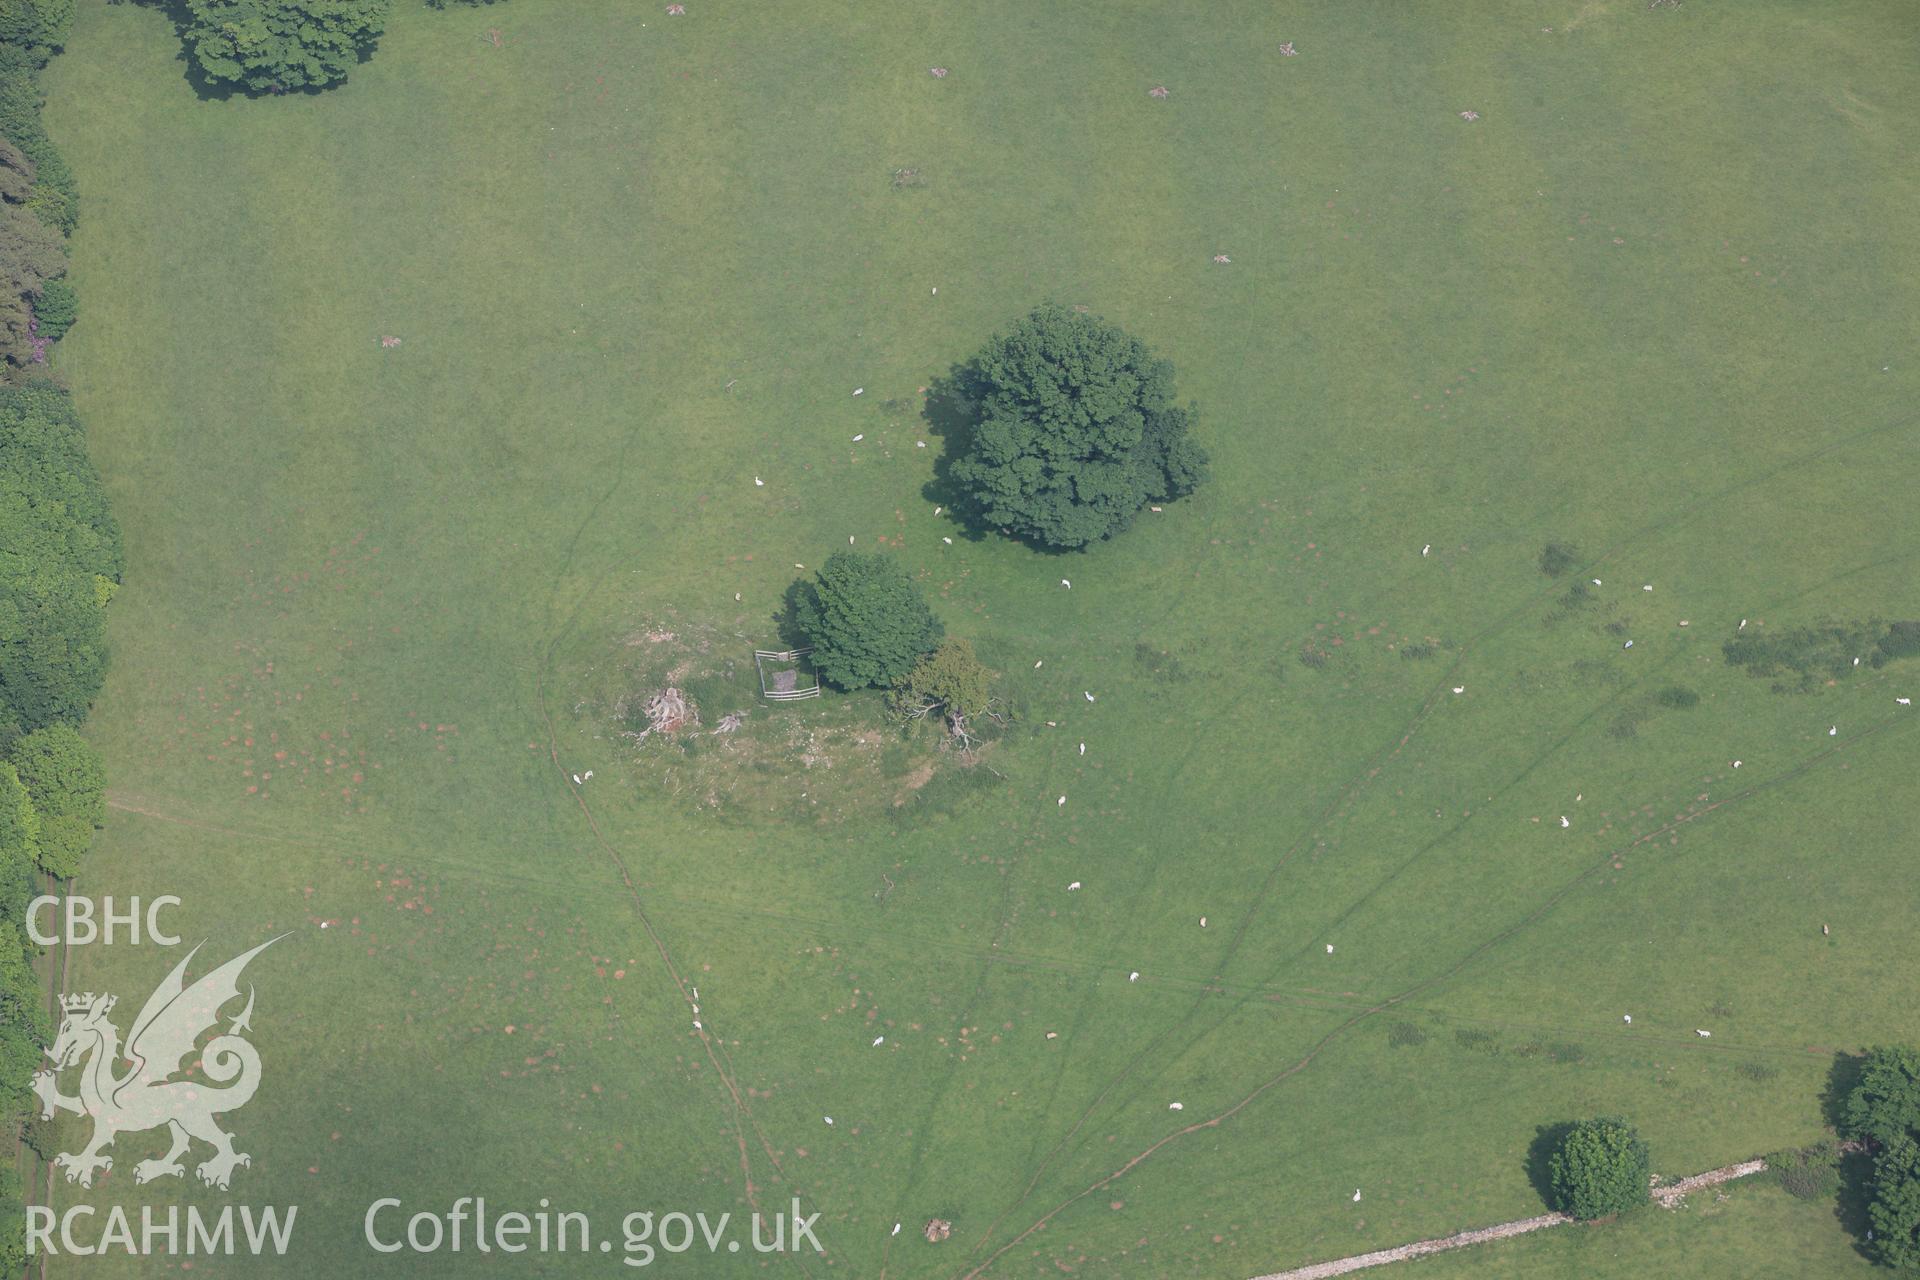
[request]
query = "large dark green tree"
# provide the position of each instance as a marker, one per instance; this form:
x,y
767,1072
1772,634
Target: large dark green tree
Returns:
x,y
67,782
866,620
63,773
1884,1102
1600,1167
53,508
276,45
53,647
19,845
37,27
1895,1210
1075,430
1884,1108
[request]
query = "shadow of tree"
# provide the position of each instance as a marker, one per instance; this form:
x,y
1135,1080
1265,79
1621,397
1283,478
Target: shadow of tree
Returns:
x,y
1843,1075
951,414
1856,1162
1856,1193
1546,1140
785,618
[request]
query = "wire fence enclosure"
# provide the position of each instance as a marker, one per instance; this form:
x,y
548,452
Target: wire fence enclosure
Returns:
x,y
784,675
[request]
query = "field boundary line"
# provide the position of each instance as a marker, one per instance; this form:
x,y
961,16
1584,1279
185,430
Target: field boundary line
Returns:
x,y
1666,1195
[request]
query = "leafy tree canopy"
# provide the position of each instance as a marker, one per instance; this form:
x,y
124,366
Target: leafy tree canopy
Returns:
x,y
63,773
63,846
866,620
13,1222
23,998
1895,1210
276,45
1885,1103
950,679
39,26
24,1029
54,198
1075,430
52,506
53,646
16,173
31,254
55,310
19,845
58,544
1601,1167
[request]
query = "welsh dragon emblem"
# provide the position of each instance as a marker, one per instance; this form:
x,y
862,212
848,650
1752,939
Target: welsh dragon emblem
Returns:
x,y
147,1096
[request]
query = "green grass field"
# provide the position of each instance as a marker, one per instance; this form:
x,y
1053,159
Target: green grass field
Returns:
x,y
1757,1232
1657,301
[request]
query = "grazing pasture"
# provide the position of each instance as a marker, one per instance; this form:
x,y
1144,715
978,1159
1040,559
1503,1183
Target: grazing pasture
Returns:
x,y
451,413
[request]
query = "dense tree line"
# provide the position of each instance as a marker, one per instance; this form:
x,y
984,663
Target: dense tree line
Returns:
x,y
1883,1110
60,562
38,202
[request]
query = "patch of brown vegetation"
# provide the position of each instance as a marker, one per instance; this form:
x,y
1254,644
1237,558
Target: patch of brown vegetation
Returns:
x,y
913,782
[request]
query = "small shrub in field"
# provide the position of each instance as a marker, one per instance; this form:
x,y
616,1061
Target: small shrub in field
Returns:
x,y
1402,1035
1803,657
1558,558
950,680
1902,640
1601,1167
1418,650
1758,1072
1566,1051
1810,1173
1625,727
1677,697
1162,664
1475,1038
1313,656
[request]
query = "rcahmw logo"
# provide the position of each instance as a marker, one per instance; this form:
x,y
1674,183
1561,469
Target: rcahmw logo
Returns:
x,y
161,1231
146,1096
